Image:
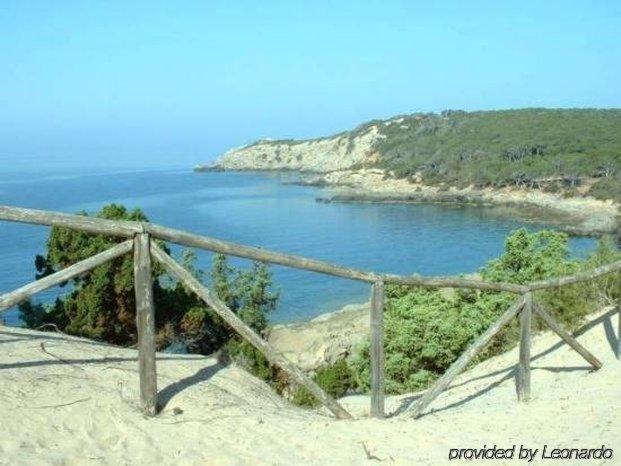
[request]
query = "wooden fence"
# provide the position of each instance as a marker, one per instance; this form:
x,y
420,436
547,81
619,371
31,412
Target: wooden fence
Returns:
x,y
140,235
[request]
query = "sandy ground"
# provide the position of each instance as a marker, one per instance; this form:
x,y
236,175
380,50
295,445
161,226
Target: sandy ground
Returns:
x,y
71,401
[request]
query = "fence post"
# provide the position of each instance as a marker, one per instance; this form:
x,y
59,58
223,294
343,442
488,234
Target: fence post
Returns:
x,y
619,330
377,349
248,333
145,323
522,380
460,364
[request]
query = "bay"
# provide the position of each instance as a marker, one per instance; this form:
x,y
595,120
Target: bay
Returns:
x,y
258,209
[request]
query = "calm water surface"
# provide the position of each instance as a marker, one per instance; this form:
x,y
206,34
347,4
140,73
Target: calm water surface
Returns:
x,y
257,209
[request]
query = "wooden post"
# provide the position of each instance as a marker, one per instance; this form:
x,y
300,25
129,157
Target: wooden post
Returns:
x,y
460,364
377,350
571,341
145,323
522,379
245,331
619,331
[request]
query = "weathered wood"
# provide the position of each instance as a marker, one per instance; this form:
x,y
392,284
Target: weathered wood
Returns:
x,y
76,222
145,323
245,331
571,341
13,298
453,282
522,378
377,350
577,278
248,252
460,364
619,331
129,228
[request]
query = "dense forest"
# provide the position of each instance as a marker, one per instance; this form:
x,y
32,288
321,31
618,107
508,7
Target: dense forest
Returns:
x,y
556,150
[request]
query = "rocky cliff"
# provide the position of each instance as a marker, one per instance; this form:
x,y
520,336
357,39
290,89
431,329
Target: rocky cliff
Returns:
x,y
340,152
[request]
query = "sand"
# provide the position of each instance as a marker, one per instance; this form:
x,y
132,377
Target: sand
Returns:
x,y
70,401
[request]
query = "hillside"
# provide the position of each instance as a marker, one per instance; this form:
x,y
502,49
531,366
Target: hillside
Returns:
x,y
549,149
338,152
66,400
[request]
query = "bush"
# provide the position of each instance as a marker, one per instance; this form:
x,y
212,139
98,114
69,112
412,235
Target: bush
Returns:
x,y
607,188
101,304
427,330
336,379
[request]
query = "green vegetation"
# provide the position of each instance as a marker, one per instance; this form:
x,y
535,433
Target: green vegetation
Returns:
x,y
336,379
608,188
556,150
101,304
534,148
427,330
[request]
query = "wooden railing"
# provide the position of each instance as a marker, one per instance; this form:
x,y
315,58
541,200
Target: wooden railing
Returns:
x,y
140,236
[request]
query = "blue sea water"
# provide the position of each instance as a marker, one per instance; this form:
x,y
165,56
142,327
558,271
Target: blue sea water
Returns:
x,y
259,210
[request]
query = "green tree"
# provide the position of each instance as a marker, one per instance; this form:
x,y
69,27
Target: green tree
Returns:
x,y
248,294
101,304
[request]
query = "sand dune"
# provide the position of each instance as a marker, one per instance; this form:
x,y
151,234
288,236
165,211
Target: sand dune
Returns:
x,y
71,401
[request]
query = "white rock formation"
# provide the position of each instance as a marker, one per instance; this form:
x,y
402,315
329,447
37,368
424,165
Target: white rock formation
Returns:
x,y
340,152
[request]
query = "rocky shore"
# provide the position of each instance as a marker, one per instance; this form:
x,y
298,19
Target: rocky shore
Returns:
x,y
324,339
580,215
575,215
347,164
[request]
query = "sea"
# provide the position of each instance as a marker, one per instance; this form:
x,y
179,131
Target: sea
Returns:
x,y
270,211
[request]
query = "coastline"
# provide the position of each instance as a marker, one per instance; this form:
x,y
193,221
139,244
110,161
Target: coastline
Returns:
x,y
579,216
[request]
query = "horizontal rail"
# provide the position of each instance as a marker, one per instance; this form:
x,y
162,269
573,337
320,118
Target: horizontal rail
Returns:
x,y
454,282
15,297
130,228
248,252
77,222
577,278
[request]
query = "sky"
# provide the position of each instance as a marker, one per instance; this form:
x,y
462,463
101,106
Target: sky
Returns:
x,y
173,84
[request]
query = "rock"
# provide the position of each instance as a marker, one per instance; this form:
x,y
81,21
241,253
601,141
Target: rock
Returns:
x,y
343,151
323,340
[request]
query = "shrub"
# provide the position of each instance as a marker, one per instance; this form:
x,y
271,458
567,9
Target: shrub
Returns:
x,y
101,304
426,330
607,188
336,379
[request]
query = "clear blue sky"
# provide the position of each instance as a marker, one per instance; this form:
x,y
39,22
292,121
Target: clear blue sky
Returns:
x,y
148,83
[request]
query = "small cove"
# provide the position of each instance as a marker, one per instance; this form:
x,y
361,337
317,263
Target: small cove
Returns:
x,y
259,209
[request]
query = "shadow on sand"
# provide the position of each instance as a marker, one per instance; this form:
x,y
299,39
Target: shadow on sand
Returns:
x,y
509,372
